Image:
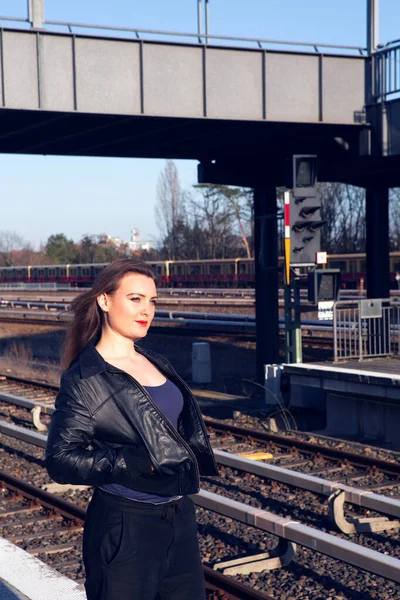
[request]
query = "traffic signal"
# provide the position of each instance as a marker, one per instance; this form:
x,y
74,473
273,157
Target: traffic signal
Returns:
x,y
304,210
323,285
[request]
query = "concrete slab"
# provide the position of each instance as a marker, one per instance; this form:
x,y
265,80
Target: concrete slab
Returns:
x,y
362,401
24,577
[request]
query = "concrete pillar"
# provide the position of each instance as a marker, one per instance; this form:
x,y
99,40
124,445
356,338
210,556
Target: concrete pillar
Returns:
x,y
266,271
36,13
377,230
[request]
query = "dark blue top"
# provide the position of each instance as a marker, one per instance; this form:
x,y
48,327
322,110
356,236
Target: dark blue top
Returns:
x,y
169,400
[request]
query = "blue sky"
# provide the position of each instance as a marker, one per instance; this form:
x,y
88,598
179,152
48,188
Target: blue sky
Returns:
x,y
55,190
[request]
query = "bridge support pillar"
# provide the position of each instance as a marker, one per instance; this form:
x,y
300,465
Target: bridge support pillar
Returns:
x,y
377,230
266,271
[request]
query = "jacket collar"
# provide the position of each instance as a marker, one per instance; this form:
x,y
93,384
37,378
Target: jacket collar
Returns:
x,y
92,363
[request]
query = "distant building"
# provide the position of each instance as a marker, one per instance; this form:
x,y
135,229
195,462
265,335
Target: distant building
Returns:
x,y
135,244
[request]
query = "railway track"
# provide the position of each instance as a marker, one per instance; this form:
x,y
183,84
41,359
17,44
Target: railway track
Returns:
x,y
321,458
50,528
185,323
18,396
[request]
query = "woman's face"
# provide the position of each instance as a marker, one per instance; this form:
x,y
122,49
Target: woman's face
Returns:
x,y
130,310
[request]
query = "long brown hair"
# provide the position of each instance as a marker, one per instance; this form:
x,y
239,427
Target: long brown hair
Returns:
x,y
88,317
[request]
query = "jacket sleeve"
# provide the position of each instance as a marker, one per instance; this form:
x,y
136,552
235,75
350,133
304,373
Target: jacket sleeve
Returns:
x,y
72,454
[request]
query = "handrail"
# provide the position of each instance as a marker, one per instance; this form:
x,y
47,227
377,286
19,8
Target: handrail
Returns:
x,y
386,70
16,19
204,36
200,38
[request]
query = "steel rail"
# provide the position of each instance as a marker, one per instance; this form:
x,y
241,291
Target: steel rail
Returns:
x,y
390,468
67,509
359,460
323,487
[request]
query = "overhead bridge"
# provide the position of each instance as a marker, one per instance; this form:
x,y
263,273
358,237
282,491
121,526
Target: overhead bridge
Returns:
x,y
63,93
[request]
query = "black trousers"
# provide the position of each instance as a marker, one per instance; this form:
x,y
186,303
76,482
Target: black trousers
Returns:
x,y
139,551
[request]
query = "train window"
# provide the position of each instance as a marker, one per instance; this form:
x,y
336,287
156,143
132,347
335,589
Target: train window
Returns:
x,y
229,268
195,269
338,264
73,271
62,272
52,272
363,266
85,272
40,272
352,266
242,267
215,269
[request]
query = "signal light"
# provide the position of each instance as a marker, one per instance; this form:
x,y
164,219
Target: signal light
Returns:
x,y
323,284
304,210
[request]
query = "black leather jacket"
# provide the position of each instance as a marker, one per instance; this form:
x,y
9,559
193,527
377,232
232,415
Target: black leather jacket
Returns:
x,y
107,429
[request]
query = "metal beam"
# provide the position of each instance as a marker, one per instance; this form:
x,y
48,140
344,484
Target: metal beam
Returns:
x,y
377,225
36,13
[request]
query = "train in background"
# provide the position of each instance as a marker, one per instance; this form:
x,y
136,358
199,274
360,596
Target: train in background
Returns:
x,y
227,272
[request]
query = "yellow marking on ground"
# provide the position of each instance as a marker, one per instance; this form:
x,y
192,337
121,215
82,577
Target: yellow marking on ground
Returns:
x,y
256,455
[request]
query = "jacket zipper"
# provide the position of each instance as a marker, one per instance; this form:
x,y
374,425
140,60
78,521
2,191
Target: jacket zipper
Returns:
x,y
171,429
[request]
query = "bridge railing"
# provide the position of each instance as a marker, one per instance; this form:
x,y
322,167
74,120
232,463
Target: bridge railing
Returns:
x,y
35,17
386,72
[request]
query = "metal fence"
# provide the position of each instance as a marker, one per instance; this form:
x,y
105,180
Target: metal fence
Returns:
x,y
366,328
386,72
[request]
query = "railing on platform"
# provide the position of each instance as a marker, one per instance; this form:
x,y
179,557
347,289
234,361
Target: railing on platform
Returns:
x,y
366,328
386,72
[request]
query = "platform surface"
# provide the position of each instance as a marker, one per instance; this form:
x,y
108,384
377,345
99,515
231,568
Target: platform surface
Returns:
x,y
385,365
24,577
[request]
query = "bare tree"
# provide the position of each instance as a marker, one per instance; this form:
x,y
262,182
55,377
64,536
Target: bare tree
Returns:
x,y
343,209
209,210
394,219
240,202
170,206
9,242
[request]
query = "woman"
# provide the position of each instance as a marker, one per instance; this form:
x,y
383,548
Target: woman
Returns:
x,y
128,425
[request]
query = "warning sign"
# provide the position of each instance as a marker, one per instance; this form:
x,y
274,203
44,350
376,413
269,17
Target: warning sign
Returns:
x,y
325,310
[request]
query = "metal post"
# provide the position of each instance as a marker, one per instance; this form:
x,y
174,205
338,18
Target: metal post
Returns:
x,y
335,341
36,13
360,333
377,225
298,356
288,323
266,267
372,25
206,19
199,20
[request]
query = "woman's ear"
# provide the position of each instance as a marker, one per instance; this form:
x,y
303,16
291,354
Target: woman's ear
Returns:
x,y
102,302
